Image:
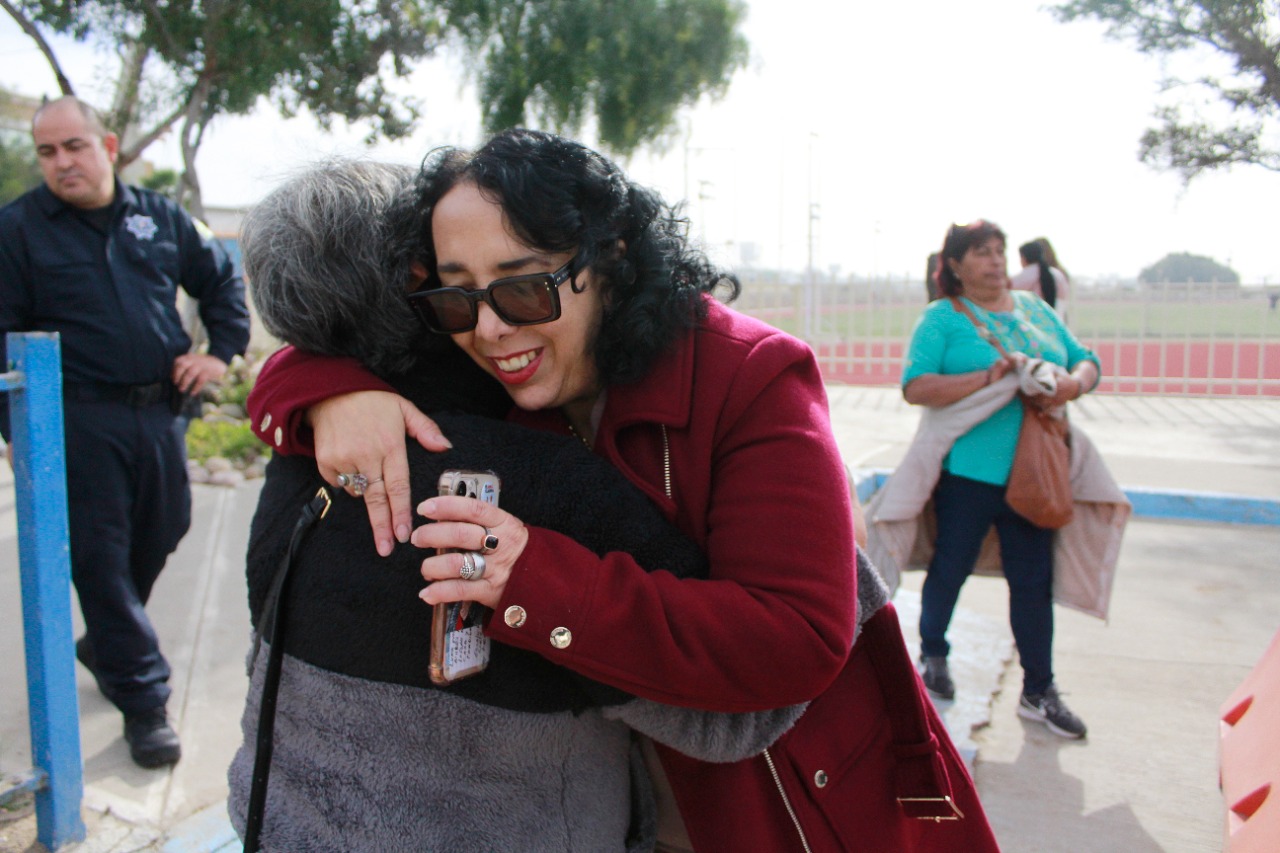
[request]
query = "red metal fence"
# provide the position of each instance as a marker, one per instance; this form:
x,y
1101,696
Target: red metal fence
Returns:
x,y
1183,339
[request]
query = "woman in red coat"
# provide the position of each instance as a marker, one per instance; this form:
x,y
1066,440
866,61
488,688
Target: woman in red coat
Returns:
x,y
576,289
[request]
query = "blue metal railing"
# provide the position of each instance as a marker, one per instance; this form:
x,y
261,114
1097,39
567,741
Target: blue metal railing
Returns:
x,y
34,385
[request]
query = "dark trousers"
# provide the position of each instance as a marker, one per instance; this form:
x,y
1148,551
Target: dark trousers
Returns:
x,y
129,504
966,510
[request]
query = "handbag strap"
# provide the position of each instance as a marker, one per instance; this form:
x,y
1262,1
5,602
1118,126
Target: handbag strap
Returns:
x,y
921,783
271,625
984,331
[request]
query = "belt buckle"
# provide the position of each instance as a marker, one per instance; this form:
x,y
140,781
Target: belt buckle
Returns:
x,y
143,395
956,814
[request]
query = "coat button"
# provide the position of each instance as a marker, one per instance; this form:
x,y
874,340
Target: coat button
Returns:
x,y
514,616
561,638
820,779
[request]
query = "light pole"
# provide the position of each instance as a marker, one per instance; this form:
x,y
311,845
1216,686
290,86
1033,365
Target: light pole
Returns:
x,y
810,320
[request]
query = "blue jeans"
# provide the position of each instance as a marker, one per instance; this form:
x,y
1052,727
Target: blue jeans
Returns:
x,y
966,510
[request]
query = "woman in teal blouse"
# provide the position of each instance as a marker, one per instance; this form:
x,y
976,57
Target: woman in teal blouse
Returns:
x,y
947,360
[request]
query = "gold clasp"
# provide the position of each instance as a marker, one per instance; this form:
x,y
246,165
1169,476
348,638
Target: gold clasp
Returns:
x,y
956,814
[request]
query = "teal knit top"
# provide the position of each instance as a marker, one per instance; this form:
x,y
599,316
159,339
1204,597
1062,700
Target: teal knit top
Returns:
x,y
945,341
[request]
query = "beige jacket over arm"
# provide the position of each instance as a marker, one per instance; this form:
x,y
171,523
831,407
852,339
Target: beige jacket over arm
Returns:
x,y
1086,551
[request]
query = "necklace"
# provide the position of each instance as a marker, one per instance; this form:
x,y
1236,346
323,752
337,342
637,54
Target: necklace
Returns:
x,y
577,434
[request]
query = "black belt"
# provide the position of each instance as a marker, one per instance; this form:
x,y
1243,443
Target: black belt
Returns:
x,y
137,396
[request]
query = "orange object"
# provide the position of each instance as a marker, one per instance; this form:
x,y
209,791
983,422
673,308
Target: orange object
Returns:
x,y
1250,758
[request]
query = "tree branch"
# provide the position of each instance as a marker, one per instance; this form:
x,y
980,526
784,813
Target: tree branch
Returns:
x,y
162,127
29,27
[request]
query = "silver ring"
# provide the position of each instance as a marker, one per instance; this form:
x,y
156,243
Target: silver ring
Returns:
x,y
490,542
472,566
357,482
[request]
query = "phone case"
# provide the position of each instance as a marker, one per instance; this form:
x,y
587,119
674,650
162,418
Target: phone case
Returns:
x,y
459,647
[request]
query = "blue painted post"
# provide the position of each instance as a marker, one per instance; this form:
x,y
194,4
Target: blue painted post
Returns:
x,y
44,555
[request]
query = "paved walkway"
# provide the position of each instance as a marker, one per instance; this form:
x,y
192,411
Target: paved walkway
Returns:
x,y
1194,607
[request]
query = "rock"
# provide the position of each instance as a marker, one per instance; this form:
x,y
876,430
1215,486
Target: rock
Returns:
x,y
229,478
218,464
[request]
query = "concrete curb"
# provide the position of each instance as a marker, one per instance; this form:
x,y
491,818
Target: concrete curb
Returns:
x,y
1163,504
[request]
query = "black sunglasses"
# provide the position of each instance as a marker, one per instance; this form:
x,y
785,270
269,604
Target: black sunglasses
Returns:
x,y
521,300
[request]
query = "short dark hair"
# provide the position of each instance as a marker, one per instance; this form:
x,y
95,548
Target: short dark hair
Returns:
x,y
959,240
328,257
560,196
92,118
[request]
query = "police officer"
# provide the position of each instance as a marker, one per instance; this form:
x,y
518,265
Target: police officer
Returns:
x,y
100,262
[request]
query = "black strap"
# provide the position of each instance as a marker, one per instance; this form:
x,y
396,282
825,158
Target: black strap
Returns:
x,y
271,625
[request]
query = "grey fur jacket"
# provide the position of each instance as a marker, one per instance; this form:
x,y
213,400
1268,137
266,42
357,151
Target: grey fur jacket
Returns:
x,y
362,765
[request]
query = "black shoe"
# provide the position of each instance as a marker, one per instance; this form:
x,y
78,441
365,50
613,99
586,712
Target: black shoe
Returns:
x,y
152,741
937,677
1048,708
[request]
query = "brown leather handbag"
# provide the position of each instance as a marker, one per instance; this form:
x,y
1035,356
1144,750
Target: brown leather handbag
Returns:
x,y
1039,486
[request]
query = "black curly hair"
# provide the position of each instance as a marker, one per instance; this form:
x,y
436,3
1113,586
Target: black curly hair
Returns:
x,y
560,196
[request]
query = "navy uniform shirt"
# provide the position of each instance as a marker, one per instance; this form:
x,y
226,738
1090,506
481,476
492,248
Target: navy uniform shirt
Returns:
x,y
113,294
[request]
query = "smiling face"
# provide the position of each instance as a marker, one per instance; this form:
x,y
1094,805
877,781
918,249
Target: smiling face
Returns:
x,y
543,366
75,158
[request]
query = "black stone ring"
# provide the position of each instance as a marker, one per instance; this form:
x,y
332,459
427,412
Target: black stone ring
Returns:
x,y
490,543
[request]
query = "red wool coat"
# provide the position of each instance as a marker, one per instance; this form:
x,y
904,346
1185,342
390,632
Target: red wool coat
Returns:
x,y
757,481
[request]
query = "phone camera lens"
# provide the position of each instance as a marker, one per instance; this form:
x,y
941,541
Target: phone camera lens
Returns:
x,y
460,489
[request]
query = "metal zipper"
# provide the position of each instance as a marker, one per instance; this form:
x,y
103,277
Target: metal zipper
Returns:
x,y
773,771
666,462
786,801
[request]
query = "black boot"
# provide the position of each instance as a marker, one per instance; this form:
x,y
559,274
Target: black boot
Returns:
x,y
937,677
152,741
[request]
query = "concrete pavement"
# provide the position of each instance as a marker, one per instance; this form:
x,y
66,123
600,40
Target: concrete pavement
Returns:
x,y
1194,607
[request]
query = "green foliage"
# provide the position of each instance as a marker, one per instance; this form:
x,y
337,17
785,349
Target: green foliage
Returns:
x,y
189,63
229,439
1185,267
1247,34
220,434
162,181
19,171
630,64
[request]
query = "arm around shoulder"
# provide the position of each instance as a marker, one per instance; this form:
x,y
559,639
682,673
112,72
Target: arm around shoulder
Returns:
x,y
291,381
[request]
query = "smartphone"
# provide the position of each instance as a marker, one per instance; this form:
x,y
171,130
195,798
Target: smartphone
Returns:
x,y
459,647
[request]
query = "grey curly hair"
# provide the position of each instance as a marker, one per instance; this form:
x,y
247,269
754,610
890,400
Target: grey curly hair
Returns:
x,y
327,256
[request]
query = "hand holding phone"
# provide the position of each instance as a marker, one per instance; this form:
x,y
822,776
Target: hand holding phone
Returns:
x,y
459,647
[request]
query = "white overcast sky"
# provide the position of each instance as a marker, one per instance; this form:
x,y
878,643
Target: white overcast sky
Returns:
x,y
891,119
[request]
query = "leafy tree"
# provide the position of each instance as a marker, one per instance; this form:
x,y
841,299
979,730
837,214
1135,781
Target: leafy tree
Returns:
x,y
1246,32
18,169
1180,267
185,64
631,63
